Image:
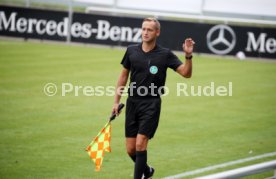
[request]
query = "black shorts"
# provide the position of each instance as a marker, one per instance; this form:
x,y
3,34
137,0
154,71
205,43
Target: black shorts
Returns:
x,y
142,116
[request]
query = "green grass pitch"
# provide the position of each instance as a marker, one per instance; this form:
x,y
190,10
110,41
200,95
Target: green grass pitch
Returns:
x,y
46,137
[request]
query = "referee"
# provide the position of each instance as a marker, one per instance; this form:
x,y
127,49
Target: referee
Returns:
x,y
147,64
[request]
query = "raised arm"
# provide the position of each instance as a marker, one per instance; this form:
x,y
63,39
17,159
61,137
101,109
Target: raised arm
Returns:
x,y
185,69
119,89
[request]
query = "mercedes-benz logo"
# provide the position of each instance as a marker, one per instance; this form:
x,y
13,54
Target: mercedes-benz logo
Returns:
x,y
221,39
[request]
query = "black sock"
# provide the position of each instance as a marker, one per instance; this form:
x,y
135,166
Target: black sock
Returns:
x,y
133,157
147,168
140,164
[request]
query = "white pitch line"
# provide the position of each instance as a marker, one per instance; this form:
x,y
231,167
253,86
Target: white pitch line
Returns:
x,y
194,172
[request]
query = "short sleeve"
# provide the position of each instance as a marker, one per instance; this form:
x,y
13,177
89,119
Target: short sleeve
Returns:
x,y
125,61
173,61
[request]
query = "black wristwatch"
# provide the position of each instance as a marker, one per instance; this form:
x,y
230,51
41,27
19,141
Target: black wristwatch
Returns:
x,y
189,58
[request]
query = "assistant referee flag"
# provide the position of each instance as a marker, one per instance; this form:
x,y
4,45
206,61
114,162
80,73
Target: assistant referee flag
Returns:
x,y
99,145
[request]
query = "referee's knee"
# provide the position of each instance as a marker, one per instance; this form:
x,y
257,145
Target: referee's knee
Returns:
x,y
140,147
141,143
131,151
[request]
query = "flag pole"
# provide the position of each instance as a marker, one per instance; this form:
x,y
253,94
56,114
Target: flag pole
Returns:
x,y
113,115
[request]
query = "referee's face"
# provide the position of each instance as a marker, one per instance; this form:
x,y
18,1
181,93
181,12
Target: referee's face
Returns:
x,y
149,31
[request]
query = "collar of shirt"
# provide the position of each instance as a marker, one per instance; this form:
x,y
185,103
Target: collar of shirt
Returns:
x,y
154,48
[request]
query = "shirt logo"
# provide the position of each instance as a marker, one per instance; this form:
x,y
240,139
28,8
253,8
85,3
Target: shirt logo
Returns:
x,y
153,70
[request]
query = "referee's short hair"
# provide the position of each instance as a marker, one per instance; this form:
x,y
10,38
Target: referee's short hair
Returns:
x,y
153,19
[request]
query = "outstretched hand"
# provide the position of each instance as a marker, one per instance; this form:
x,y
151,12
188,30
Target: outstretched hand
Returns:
x,y
188,46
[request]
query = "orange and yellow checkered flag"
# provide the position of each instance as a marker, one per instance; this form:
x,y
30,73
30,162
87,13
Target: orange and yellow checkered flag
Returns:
x,y
99,145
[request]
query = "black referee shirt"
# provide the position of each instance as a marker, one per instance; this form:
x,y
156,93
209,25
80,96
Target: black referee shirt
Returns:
x,y
148,69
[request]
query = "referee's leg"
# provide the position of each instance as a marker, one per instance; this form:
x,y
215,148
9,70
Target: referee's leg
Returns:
x,y
141,156
131,147
137,150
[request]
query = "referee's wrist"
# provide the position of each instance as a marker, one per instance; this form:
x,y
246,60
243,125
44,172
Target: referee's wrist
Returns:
x,y
188,56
